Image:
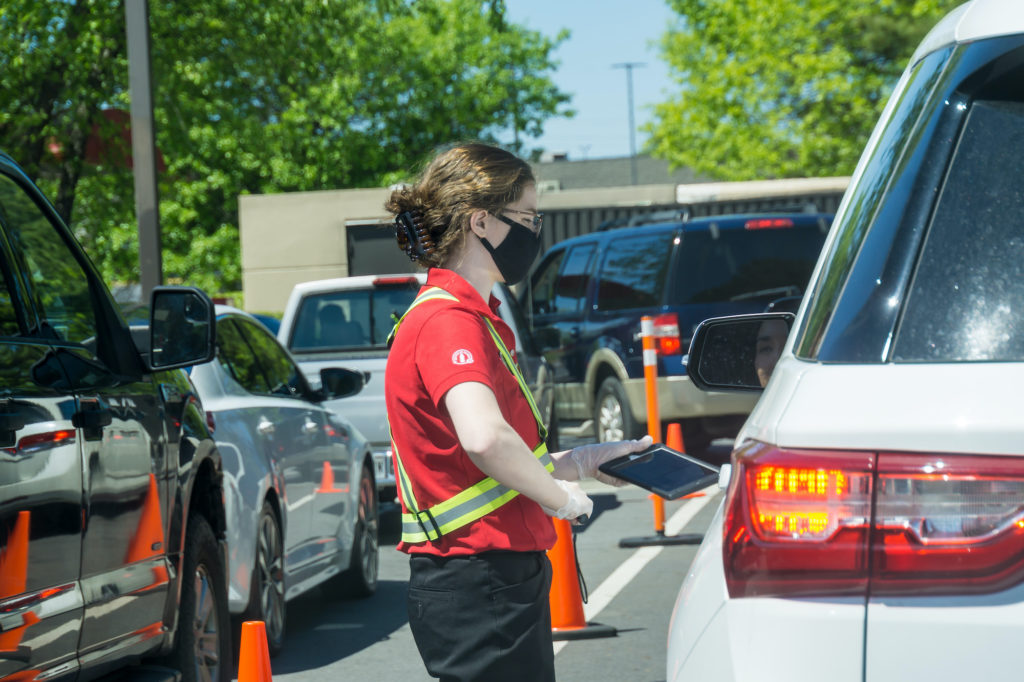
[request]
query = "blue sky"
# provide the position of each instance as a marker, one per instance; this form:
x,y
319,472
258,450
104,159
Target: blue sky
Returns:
x,y
604,32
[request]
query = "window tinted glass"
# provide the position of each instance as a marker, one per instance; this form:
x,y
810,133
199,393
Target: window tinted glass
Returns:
x,y
8,314
571,288
863,198
966,299
282,374
59,286
738,265
542,288
633,272
238,359
352,318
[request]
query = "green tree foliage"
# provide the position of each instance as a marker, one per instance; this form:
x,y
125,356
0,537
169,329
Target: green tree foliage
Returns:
x,y
782,88
256,97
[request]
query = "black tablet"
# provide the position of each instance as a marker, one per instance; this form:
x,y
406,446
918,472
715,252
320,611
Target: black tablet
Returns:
x,y
662,470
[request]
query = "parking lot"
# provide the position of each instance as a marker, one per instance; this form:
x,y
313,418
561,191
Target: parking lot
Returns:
x,y
632,590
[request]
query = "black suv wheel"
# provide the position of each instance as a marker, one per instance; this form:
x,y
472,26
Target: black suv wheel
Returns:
x,y
613,418
203,648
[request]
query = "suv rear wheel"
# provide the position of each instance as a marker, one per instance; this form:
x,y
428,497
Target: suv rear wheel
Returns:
x,y
613,418
203,648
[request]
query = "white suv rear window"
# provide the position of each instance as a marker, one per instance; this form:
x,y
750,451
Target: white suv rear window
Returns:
x,y
966,302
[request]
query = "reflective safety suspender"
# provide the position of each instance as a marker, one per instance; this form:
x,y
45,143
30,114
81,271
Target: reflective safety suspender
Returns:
x,y
420,525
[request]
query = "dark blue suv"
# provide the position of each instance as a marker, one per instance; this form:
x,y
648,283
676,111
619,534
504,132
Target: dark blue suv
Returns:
x,y
587,296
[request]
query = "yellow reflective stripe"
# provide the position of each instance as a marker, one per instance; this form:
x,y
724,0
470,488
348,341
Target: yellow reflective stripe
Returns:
x,y
467,506
429,295
403,478
542,430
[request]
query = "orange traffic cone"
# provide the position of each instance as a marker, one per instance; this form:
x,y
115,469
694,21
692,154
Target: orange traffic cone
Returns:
x,y
327,480
567,619
149,536
14,578
14,558
674,440
254,654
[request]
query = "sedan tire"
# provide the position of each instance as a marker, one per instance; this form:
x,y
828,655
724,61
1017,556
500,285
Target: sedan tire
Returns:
x,y
266,596
360,580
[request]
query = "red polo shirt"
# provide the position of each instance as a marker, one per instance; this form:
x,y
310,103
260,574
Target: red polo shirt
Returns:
x,y
441,344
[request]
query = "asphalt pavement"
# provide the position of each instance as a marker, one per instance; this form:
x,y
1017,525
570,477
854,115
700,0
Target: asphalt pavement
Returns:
x,y
631,590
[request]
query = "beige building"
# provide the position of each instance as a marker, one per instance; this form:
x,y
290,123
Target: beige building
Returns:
x,y
301,236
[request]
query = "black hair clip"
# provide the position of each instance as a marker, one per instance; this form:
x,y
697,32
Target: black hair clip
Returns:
x,y
413,236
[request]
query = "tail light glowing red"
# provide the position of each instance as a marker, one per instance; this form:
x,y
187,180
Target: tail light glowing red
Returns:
x,y
767,223
948,523
811,522
666,334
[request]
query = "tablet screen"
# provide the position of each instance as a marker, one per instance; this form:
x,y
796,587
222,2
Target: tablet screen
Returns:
x,y
666,472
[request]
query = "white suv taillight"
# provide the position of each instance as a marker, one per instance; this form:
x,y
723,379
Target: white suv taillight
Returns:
x,y
797,522
819,522
948,524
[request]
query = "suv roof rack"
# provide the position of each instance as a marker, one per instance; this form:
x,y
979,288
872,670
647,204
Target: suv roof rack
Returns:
x,y
680,215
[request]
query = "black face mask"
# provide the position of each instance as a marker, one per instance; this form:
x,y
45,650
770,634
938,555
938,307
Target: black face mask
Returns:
x,y
516,253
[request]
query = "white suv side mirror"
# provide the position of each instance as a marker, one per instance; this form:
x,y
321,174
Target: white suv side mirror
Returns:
x,y
724,473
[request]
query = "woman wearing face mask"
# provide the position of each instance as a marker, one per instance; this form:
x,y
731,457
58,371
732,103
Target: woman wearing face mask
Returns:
x,y
476,482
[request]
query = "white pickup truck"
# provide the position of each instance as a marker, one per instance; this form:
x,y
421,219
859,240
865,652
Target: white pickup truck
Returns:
x,y
346,322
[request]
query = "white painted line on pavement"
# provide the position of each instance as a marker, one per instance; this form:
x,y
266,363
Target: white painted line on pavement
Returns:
x,y
632,566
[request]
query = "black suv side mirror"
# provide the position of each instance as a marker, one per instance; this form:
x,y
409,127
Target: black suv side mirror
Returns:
x,y
738,352
181,328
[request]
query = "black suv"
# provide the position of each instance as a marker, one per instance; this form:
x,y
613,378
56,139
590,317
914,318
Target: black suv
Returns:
x,y
111,508
587,296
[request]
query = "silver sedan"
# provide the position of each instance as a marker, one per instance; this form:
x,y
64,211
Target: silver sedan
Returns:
x,y
299,486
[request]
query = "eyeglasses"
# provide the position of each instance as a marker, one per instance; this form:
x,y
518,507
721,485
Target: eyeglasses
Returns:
x,y
536,219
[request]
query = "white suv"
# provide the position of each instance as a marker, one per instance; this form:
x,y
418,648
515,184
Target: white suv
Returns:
x,y
873,525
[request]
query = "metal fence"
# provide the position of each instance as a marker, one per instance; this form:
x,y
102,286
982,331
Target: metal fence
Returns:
x,y
561,224
372,249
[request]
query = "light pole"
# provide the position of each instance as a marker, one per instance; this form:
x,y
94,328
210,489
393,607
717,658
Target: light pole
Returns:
x,y
629,66
147,200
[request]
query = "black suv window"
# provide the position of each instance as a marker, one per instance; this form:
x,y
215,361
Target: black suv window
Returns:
x,y
571,288
8,314
634,271
748,264
965,300
58,284
542,287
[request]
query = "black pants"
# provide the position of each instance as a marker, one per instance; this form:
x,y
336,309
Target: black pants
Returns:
x,y
483,617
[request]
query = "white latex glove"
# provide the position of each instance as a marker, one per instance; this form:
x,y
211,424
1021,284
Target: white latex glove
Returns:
x,y
589,457
578,503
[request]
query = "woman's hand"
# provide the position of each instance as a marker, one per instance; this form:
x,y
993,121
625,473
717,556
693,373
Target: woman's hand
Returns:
x,y
589,457
578,503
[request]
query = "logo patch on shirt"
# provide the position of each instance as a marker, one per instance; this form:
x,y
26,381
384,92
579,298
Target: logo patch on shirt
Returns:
x,y
462,357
